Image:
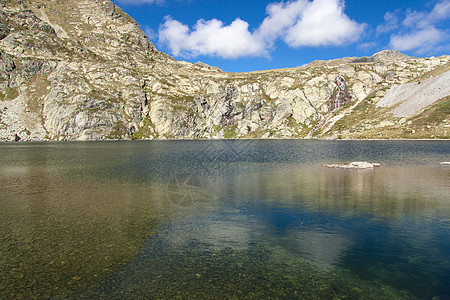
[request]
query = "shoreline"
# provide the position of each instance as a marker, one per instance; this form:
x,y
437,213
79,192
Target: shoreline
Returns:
x,y
224,139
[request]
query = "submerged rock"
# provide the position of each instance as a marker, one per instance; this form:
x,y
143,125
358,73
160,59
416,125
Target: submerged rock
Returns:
x,y
354,165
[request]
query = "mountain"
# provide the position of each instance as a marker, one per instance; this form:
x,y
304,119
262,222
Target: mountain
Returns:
x,y
83,70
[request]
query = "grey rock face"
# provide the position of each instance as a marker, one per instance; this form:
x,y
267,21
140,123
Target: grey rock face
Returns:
x,y
340,95
83,70
415,96
71,73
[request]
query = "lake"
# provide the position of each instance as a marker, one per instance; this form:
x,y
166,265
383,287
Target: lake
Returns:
x,y
242,219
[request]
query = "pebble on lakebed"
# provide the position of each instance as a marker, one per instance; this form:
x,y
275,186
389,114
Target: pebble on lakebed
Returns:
x,y
354,165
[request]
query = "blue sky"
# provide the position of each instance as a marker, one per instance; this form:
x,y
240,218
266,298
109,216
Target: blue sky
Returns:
x,y
259,35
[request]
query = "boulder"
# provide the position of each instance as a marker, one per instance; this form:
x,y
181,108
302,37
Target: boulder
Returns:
x,y
354,165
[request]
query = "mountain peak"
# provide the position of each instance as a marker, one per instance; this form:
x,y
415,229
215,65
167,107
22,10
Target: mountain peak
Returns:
x,y
389,56
84,70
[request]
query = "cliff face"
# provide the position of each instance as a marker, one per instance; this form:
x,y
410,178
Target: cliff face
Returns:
x,y
71,70
83,70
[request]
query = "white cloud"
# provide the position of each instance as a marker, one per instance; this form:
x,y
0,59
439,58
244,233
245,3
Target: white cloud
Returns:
x,y
299,23
367,46
421,41
441,11
322,23
280,17
210,38
151,34
418,32
391,22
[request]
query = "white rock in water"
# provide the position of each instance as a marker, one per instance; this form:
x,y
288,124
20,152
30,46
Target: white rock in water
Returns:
x,y
354,165
445,163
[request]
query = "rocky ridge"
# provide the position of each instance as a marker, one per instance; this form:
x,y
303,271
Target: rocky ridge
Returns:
x,y
83,70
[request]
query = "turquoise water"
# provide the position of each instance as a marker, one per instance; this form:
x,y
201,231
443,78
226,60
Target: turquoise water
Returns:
x,y
224,219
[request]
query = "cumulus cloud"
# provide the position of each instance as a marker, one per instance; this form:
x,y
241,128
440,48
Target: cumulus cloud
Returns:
x,y
299,23
421,41
417,31
280,17
322,23
210,38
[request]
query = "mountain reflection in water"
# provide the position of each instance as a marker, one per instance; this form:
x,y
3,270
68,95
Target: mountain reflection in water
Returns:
x,y
209,219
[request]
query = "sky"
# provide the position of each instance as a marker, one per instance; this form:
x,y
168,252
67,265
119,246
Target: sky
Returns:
x,y
251,35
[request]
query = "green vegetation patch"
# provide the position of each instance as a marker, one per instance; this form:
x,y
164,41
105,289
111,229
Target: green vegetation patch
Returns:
x,y
182,100
434,114
9,94
300,130
39,89
364,112
229,132
147,130
257,133
432,123
433,73
118,131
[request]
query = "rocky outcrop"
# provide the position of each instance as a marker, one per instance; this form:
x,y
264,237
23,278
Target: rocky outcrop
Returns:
x,y
340,95
71,74
83,70
385,56
410,98
354,165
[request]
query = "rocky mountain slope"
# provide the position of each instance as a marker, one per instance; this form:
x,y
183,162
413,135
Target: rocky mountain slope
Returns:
x,y
83,70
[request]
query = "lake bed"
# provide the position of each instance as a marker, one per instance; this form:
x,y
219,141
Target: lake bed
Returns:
x,y
224,219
